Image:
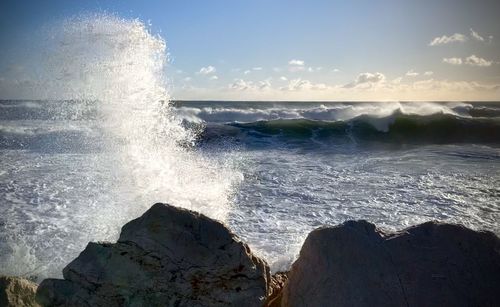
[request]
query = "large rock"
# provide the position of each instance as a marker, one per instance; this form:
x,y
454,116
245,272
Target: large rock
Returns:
x,y
167,257
17,292
432,264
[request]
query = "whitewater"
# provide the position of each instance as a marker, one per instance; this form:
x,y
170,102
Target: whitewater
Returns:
x,y
103,141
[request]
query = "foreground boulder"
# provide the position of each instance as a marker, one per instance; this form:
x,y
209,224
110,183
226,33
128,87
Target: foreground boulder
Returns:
x,y
17,292
432,264
167,257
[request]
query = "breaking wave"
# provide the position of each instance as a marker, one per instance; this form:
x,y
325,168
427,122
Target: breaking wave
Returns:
x,y
393,122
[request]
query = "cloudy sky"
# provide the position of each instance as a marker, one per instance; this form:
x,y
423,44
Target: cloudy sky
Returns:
x,y
299,50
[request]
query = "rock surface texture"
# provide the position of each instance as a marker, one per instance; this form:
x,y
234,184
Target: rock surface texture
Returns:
x,y
17,292
278,281
432,264
166,257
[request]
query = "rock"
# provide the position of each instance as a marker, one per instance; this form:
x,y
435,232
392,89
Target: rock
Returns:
x,y
166,257
433,264
17,292
276,285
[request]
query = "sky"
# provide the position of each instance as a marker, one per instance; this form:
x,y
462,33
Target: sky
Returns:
x,y
294,50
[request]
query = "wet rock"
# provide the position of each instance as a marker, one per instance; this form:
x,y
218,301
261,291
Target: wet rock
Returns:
x,y
167,257
17,292
432,264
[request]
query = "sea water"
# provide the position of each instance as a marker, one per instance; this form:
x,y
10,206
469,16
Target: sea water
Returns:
x,y
104,141
396,164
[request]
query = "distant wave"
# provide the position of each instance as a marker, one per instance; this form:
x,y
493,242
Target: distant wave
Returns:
x,y
396,128
264,111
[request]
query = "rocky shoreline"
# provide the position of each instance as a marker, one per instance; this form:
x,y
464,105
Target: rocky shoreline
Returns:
x,y
176,257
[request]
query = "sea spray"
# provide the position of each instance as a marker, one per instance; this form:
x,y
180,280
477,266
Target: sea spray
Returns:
x,y
121,65
114,70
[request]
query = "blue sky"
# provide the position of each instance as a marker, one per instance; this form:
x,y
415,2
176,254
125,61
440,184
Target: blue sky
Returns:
x,y
300,50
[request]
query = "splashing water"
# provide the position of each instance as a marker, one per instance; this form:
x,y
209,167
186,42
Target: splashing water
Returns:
x,y
123,69
112,69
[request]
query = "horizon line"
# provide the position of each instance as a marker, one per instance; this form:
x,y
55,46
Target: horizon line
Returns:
x,y
263,100
251,100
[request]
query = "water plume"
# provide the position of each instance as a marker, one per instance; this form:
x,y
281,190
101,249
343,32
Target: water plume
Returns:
x,y
110,72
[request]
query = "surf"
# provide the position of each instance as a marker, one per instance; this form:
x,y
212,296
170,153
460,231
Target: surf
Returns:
x,y
334,122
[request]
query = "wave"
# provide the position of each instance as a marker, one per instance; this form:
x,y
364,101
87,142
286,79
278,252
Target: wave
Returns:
x,y
396,128
247,112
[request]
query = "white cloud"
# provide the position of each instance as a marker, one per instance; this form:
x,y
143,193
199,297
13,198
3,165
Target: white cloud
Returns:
x,y
480,38
296,65
187,79
242,85
314,69
370,77
366,79
207,70
453,61
264,84
336,70
411,73
214,77
248,71
283,78
300,84
428,73
442,40
477,61
296,62
476,35
472,60
452,86
239,85
458,37
371,86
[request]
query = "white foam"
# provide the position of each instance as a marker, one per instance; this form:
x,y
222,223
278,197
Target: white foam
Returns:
x,y
323,112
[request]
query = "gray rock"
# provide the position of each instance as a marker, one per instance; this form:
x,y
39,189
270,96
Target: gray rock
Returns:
x,y
432,264
167,257
278,281
17,292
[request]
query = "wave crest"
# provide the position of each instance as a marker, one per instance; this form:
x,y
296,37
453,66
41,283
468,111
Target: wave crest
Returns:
x,y
397,128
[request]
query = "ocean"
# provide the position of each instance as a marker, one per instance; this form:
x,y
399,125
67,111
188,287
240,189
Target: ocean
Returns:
x,y
75,169
396,164
272,171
